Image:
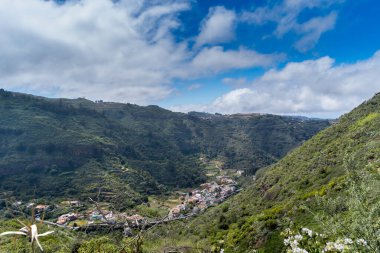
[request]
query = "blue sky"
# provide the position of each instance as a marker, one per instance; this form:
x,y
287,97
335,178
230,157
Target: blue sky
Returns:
x,y
316,58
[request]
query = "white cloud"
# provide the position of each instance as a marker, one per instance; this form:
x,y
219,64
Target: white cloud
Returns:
x,y
116,51
92,48
216,59
313,29
286,14
313,87
218,27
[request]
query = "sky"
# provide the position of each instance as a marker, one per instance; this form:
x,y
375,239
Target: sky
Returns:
x,y
316,58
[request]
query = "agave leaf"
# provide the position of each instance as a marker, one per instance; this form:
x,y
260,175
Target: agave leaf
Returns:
x,y
13,233
45,234
34,232
25,230
38,243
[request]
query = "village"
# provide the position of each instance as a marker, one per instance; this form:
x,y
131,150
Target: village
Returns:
x,y
207,195
81,216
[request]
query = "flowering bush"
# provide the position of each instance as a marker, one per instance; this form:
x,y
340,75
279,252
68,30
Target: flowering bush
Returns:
x,y
308,241
348,215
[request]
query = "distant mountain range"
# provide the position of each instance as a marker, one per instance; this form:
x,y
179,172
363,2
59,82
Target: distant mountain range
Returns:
x,y
55,148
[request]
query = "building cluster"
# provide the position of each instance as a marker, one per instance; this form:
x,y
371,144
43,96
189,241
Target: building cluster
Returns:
x,y
207,195
109,216
192,202
63,219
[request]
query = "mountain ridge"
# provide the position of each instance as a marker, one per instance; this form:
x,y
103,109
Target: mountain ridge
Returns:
x,y
297,191
77,142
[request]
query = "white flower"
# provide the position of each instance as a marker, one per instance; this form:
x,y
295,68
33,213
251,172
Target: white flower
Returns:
x,y
333,246
307,231
30,231
339,246
293,243
348,241
361,242
298,250
298,237
329,246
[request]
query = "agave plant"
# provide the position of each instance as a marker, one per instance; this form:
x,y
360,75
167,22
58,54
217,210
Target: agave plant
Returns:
x,y
31,232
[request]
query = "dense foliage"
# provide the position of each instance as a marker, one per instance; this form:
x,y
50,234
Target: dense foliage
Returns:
x,y
69,148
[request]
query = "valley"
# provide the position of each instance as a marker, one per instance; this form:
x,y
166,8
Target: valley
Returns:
x,y
179,184
92,215
189,126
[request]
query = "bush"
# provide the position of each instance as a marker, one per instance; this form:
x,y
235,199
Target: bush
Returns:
x,y
99,245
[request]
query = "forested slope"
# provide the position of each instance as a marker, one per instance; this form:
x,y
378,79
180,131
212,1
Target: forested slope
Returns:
x,y
63,147
330,184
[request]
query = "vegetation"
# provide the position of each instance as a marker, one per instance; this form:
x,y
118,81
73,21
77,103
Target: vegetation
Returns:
x,y
61,148
329,185
322,196
64,241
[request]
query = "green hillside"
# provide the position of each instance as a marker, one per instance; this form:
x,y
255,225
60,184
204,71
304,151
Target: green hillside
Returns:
x,y
59,148
330,184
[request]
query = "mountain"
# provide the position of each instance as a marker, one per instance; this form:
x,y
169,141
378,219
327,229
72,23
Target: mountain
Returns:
x,y
330,184
56,148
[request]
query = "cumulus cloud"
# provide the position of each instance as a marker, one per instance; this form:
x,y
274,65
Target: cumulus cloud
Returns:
x,y
112,50
218,27
92,48
286,14
313,87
